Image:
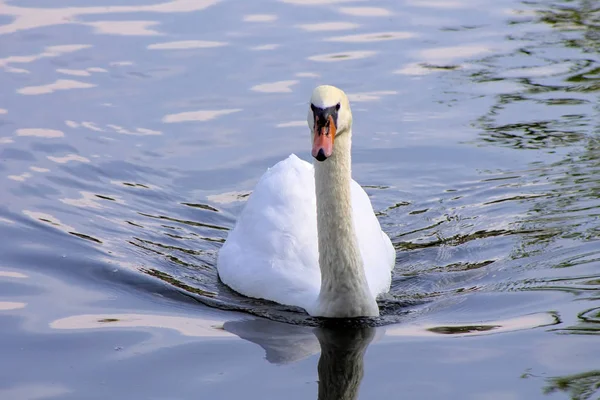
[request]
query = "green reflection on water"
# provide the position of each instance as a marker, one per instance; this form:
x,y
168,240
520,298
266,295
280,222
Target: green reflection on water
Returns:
x,y
580,386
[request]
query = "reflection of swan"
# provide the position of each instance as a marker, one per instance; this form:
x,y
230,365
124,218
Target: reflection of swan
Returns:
x,y
308,235
341,363
342,350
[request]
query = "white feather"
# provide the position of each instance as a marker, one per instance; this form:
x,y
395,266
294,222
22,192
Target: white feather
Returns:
x,y
272,252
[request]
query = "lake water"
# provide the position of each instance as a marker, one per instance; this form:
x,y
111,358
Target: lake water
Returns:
x,y
131,132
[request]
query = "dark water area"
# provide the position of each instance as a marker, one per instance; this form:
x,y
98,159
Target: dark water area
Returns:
x,y
132,132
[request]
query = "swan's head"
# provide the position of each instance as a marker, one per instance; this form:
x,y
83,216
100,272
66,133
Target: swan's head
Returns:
x,y
329,117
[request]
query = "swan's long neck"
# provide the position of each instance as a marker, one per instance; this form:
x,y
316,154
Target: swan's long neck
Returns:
x,y
344,288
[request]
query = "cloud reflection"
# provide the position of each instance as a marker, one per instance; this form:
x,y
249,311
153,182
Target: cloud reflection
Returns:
x,y
68,158
49,219
197,327
260,18
39,169
445,54
125,28
328,26
439,59
440,4
264,47
370,96
31,17
275,87
343,56
91,200
518,323
200,115
372,37
61,84
292,124
42,133
73,72
96,69
12,274
186,45
20,178
365,11
228,197
317,2
11,305
50,51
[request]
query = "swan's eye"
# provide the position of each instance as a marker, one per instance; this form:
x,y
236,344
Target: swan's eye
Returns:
x,y
337,107
312,107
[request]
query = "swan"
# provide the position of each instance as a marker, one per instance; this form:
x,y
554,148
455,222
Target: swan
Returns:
x,y
308,235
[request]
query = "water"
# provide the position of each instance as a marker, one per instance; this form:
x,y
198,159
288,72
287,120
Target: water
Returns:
x,y
130,136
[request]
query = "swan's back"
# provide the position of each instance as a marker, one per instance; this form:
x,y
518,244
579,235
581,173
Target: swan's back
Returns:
x,y
272,252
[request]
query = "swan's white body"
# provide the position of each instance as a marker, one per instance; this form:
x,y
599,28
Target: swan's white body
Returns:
x,y
308,237
272,253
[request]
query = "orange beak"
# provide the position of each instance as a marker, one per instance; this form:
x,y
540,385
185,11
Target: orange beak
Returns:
x,y
324,135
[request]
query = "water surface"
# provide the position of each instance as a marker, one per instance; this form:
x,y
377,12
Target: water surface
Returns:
x,y
131,135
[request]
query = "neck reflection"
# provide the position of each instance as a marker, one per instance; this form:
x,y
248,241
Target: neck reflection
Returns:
x,y
341,366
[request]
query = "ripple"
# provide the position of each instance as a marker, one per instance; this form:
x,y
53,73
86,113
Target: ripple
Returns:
x,y
29,17
537,71
61,84
317,2
200,115
369,96
292,124
6,221
91,200
342,56
121,63
491,327
365,11
440,4
444,54
275,87
307,75
38,132
39,169
68,158
185,222
96,69
416,69
265,47
50,51
91,126
186,45
372,37
260,18
14,70
12,274
328,26
73,72
48,219
137,132
10,305
35,391
20,178
124,28
230,197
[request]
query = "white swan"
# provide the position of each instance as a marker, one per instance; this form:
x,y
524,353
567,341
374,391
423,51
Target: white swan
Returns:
x,y
308,236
